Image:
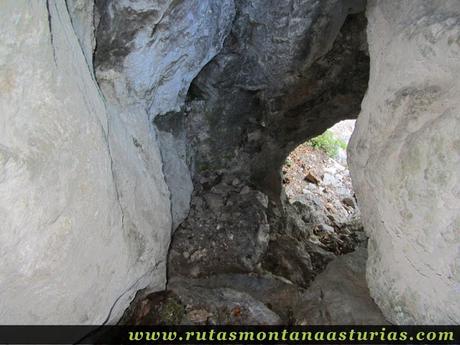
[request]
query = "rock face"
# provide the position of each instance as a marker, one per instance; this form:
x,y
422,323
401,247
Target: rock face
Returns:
x,y
404,159
85,211
340,296
147,55
189,303
160,46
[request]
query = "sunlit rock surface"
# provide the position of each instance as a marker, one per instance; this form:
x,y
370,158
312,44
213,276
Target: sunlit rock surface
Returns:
x,y
79,233
147,55
405,163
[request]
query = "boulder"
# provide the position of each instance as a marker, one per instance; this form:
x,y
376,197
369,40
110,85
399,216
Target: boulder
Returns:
x,y
339,295
187,302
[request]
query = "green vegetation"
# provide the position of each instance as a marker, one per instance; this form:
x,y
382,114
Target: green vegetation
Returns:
x,y
172,311
328,143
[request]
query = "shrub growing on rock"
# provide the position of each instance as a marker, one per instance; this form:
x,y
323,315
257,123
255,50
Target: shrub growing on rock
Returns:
x,y
328,142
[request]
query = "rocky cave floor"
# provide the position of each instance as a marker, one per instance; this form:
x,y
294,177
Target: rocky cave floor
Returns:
x,y
317,188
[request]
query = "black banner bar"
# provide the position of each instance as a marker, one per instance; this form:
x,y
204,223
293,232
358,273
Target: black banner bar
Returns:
x,y
229,334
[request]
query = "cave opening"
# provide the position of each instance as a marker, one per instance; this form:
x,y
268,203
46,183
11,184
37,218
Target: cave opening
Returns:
x,y
315,177
318,193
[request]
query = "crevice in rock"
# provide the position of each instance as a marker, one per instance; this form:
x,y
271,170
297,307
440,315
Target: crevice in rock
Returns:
x,y
129,290
50,28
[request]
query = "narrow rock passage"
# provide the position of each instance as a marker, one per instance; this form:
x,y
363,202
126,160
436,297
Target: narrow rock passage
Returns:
x,y
307,275
142,146
253,103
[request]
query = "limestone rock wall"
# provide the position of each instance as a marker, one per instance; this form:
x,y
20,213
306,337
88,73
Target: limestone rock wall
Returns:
x,y
158,47
405,163
85,212
147,55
